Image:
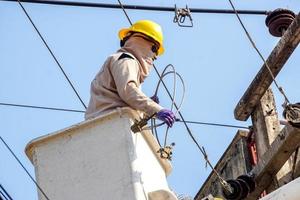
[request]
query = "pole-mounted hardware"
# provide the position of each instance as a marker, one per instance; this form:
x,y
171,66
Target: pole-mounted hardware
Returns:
x,y
180,16
241,187
279,20
139,124
292,114
166,152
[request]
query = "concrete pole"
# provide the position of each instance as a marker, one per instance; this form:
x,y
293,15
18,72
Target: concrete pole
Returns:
x,y
266,128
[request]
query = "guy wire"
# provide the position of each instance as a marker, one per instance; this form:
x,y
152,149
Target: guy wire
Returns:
x,y
258,52
18,160
181,116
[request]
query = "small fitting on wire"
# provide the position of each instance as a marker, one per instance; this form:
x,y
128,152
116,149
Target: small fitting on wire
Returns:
x,y
292,114
180,16
166,152
226,186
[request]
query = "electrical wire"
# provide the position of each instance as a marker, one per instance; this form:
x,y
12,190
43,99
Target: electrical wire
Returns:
x,y
214,124
24,168
4,196
139,7
146,128
173,71
120,3
51,52
201,149
41,107
4,193
203,123
259,53
165,73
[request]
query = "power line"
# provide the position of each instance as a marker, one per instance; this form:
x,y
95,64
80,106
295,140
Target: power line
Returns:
x,y
140,7
50,51
81,111
213,124
4,193
224,184
258,52
41,107
24,168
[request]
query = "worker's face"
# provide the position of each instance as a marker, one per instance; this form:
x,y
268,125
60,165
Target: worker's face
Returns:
x,y
154,46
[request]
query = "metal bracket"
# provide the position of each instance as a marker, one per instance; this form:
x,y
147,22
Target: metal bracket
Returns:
x,y
180,16
138,125
292,114
166,152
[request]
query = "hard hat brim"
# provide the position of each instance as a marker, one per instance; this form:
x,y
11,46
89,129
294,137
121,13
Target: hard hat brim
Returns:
x,y
123,32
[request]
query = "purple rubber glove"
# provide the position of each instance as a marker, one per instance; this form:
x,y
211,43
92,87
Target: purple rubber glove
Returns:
x,y
155,99
166,116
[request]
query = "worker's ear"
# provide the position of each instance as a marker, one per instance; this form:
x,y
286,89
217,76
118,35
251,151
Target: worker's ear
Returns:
x,y
122,43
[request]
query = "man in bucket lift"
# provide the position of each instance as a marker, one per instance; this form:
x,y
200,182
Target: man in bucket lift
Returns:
x,y
118,82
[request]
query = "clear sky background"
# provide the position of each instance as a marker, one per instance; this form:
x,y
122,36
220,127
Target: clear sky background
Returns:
x,y
214,57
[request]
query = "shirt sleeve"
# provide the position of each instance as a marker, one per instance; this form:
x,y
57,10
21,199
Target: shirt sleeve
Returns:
x,y
126,76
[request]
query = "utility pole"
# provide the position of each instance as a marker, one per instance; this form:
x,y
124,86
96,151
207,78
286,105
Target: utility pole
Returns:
x,y
274,146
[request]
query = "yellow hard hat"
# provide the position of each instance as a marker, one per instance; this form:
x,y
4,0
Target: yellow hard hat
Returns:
x,y
149,28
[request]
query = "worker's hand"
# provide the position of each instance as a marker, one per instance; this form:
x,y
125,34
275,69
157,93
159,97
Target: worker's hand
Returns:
x,y
155,99
166,116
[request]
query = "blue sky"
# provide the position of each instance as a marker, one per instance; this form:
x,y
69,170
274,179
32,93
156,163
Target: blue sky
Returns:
x,y
214,57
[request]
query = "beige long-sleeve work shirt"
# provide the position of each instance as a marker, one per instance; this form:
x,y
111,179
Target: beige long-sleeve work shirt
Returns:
x,y
118,85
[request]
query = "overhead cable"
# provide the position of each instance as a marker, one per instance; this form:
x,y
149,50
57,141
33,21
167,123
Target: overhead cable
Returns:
x,y
50,51
139,7
224,184
82,111
41,107
4,193
258,52
24,168
214,124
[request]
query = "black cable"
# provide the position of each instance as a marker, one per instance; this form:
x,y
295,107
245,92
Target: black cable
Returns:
x,y
41,107
81,111
52,54
202,150
18,160
2,195
6,193
140,7
125,12
154,130
213,124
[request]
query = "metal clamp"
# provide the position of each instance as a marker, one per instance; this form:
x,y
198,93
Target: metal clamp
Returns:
x,y
138,125
180,16
166,152
292,114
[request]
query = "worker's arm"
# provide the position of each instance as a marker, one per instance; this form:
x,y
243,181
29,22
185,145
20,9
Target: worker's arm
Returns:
x,y
126,76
